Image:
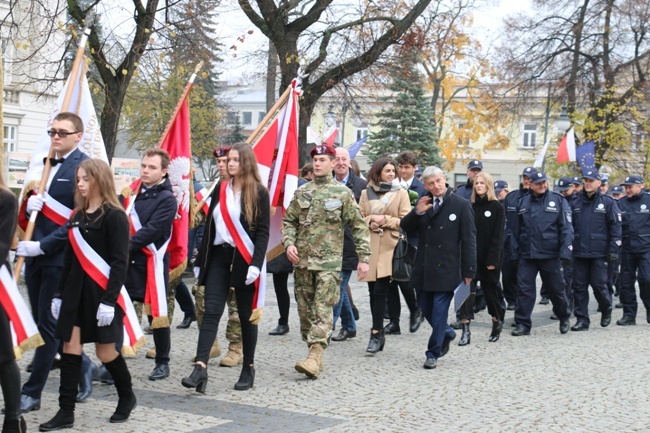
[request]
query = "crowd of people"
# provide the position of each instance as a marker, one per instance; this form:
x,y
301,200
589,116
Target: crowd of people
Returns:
x,y
94,257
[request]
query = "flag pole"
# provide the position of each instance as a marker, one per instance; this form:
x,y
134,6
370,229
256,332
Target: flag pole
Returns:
x,y
47,166
276,107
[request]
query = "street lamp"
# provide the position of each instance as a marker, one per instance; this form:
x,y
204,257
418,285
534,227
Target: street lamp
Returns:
x,y
563,122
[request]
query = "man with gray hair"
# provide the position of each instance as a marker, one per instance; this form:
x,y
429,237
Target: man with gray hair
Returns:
x,y
446,255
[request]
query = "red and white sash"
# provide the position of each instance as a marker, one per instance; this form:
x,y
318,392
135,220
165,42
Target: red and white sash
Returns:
x,y
55,211
201,195
243,242
24,332
155,293
96,268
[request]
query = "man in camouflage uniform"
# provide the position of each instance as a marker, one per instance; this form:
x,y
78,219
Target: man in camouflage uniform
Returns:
x,y
312,234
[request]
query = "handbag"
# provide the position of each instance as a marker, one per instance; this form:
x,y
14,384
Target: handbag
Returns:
x,y
403,258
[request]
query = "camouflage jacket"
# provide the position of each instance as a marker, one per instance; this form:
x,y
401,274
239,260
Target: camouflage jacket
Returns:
x,y
315,220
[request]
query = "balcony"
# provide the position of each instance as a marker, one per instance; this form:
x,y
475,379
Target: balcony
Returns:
x,y
11,96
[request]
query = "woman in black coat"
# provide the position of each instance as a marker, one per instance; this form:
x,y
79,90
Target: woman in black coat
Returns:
x,y
86,311
240,209
489,217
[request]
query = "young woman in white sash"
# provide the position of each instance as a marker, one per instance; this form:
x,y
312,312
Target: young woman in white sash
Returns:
x,y
233,254
85,303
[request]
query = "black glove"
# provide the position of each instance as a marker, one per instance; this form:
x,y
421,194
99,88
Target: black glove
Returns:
x,y
612,257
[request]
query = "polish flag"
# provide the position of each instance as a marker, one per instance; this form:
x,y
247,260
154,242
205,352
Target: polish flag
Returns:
x,y
567,150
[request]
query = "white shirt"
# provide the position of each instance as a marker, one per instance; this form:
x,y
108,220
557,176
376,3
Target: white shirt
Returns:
x,y
222,235
406,183
55,169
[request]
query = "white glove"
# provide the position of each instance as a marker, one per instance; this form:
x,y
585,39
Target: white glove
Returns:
x,y
197,271
253,273
35,203
105,315
55,308
29,249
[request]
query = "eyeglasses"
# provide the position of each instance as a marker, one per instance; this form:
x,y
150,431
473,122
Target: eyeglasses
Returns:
x,y
62,134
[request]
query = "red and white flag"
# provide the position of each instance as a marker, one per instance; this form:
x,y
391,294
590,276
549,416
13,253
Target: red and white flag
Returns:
x,y
277,160
567,150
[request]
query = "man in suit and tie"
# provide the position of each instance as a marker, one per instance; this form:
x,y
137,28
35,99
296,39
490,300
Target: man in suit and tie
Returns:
x,y
45,251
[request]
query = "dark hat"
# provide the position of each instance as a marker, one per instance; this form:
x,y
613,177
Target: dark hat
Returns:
x,y
577,181
538,177
604,177
220,152
475,163
591,174
418,172
632,180
323,149
617,189
564,183
500,185
529,172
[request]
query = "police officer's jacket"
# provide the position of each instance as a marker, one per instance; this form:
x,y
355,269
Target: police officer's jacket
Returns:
x,y
545,230
465,191
635,213
512,222
596,225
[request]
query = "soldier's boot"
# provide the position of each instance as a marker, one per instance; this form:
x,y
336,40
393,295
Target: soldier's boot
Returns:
x,y
234,356
313,365
215,352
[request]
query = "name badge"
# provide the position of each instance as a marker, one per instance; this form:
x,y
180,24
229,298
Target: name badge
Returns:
x,y
333,204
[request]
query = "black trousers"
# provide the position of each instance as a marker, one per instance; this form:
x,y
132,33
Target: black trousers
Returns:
x,y
588,272
509,280
217,284
378,291
281,286
394,305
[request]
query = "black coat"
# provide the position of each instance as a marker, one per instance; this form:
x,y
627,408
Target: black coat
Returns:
x,y
446,244
259,235
8,210
350,258
108,235
490,220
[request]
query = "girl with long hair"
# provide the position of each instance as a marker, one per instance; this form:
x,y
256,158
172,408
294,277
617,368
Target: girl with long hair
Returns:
x,y
84,306
232,254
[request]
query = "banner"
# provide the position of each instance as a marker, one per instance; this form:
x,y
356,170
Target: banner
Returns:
x,y
356,146
567,150
585,155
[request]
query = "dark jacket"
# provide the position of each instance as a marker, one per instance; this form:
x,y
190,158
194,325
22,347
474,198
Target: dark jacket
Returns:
x,y
596,225
465,191
259,234
545,230
9,212
446,244
108,235
418,187
350,258
512,222
53,237
489,217
635,213
156,208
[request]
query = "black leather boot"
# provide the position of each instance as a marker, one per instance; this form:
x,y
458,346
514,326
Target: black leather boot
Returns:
x,y
17,425
246,378
197,379
466,337
376,342
10,380
70,375
392,328
497,327
127,400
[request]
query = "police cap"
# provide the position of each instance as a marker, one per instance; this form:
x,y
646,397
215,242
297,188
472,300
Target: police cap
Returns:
x,y
475,164
564,183
538,177
633,180
591,174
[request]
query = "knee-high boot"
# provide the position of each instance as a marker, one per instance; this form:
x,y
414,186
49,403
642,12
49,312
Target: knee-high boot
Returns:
x,y
70,374
122,378
10,381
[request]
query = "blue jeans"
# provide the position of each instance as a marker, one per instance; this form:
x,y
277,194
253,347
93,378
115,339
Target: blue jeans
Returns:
x,y
344,309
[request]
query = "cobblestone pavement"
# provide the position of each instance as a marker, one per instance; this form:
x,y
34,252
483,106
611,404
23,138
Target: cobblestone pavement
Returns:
x,y
591,381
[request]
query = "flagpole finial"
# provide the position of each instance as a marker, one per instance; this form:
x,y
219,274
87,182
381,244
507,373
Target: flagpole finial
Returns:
x,y
198,67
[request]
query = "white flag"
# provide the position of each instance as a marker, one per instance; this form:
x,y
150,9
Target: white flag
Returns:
x,y
539,161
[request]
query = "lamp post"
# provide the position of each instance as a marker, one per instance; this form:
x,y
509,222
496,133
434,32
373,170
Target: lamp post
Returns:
x,y
562,123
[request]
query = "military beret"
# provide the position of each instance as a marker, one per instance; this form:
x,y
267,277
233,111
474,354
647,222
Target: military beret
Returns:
x,y
220,152
323,149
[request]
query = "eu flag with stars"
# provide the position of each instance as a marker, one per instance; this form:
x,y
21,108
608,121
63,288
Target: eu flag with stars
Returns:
x,y
585,157
354,147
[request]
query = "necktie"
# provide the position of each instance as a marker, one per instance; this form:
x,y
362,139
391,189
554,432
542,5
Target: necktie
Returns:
x,y
436,204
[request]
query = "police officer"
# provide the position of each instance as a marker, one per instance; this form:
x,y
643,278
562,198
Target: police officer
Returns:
x,y
577,182
473,168
544,237
312,235
597,240
635,251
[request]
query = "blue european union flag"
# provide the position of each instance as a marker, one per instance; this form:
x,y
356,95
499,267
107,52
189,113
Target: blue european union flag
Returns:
x,y
585,156
354,147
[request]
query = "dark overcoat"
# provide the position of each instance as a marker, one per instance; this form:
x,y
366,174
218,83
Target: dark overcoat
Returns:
x,y
446,244
107,233
489,217
8,210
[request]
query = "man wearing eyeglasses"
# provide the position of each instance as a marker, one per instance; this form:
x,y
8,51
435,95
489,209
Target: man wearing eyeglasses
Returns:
x,y
45,251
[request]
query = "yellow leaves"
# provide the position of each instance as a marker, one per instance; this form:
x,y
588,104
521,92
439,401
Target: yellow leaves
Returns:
x,y
124,72
292,58
96,90
147,31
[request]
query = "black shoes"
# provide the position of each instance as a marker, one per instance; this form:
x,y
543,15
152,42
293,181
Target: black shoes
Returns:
x,y
444,349
187,321
497,327
344,334
456,325
160,371
510,307
554,317
197,379
416,321
246,378
124,408
430,363
104,376
60,421
606,318
89,371
392,328
580,326
626,321
14,425
520,331
280,330
544,301
619,305
376,342
466,336
564,326
28,404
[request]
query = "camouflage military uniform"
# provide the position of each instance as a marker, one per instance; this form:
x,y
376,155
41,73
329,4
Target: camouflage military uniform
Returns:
x,y
314,223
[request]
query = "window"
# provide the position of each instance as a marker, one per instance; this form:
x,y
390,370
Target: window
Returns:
x,y
247,118
10,140
460,179
7,51
463,140
529,135
361,132
260,116
231,117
